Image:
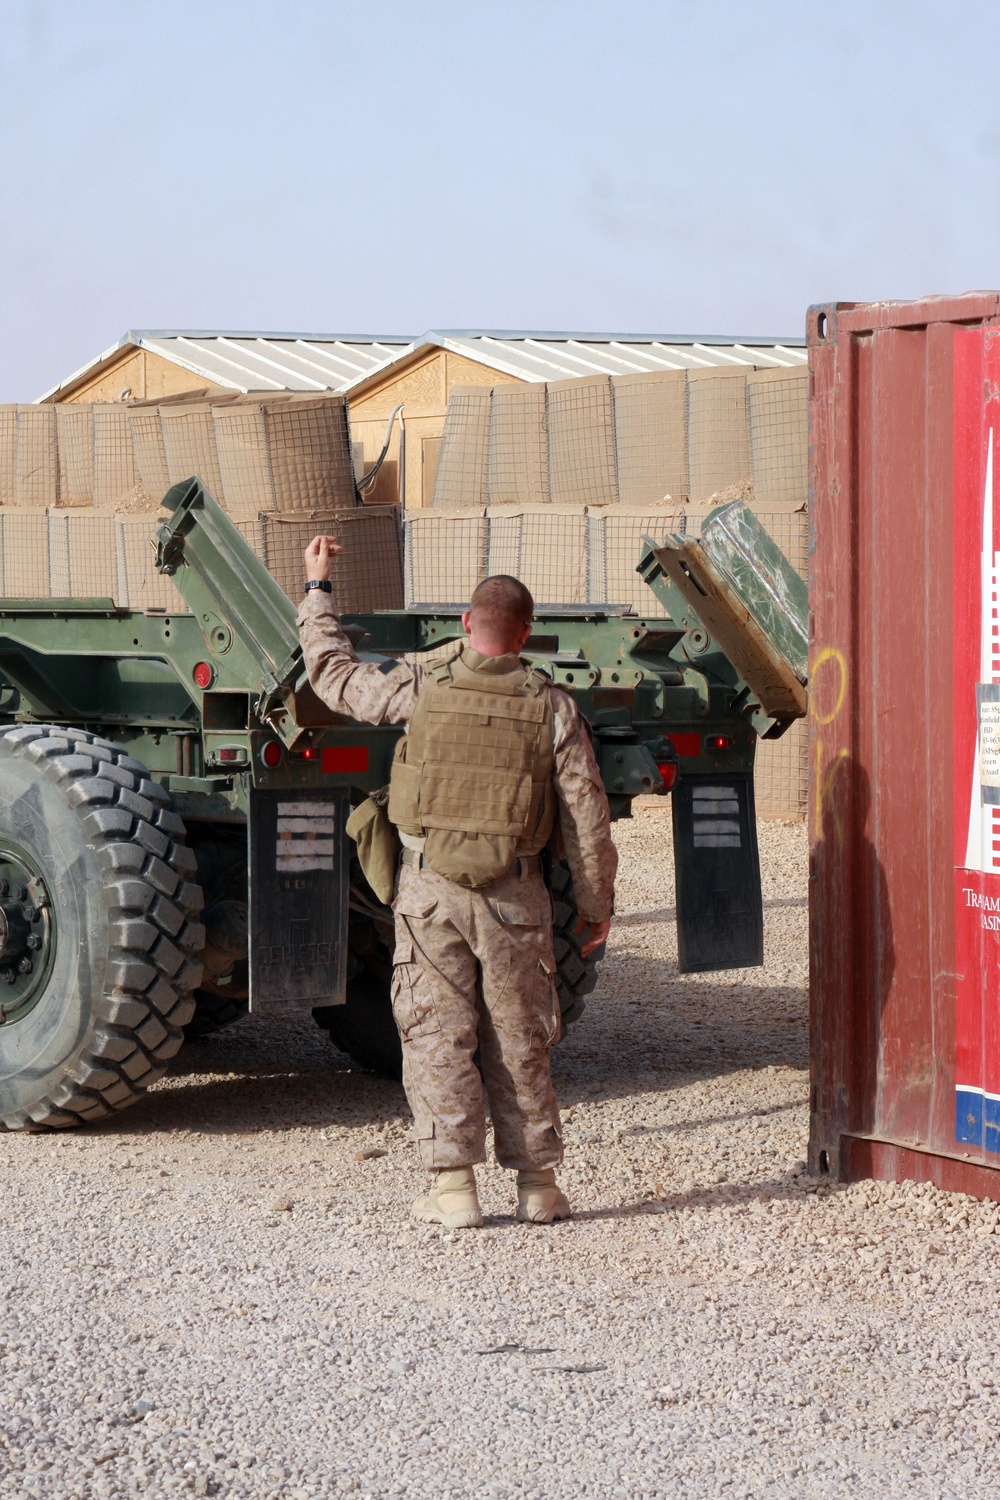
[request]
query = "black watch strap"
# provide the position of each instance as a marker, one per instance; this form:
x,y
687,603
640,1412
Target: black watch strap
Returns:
x,y
320,583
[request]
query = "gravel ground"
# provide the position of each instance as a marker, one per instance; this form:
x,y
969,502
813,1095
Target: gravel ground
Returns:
x,y
219,1292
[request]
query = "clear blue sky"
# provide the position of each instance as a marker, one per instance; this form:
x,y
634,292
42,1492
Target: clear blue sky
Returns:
x,y
387,168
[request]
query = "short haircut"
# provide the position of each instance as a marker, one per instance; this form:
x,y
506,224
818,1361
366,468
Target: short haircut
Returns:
x,y
500,606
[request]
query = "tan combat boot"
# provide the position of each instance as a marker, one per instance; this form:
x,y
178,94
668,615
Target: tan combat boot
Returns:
x,y
539,1201
452,1201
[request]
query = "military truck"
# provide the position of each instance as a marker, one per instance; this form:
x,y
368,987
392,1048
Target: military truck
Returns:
x,y
173,798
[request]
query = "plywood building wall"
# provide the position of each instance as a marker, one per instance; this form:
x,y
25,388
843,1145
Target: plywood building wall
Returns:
x,y
424,387
144,374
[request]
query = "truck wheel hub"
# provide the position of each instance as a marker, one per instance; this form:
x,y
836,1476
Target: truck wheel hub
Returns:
x,y
27,935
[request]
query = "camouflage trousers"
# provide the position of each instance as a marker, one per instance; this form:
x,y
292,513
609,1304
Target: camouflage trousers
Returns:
x,y
474,968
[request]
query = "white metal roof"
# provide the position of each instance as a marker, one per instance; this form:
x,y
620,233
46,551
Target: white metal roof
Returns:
x,y
258,361
558,356
345,362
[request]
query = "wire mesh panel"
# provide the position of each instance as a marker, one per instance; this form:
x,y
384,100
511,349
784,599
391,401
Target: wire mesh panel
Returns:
x,y
718,433
244,463
83,561
503,542
115,471
8,455
24,554
445,556
518,464
37,480
373,542
788,525
778,403
284,539
651,437
147,445
75,442
252,532
309,448
58,549
189,443
367,575
140,586
614,545
781,774
581,436
545,548
460,479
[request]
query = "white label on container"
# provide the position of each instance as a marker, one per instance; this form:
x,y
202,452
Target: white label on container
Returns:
x,y
989,743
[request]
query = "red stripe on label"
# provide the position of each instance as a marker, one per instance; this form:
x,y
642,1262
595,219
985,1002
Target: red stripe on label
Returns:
x,y
684,744
338,759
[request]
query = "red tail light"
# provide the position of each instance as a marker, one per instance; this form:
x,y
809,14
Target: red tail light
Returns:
x,y
270,754
668,770
203,674
718,742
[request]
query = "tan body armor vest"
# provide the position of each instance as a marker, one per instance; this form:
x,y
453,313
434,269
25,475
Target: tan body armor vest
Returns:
x,y
473,776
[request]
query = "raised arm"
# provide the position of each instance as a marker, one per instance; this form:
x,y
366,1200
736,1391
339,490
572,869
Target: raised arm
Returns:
x,y
373,692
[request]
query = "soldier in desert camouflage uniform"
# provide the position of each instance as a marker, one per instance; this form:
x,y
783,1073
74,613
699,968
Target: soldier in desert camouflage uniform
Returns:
x,y
493,755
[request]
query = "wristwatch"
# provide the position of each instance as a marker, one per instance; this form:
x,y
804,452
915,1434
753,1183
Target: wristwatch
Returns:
x,y
320,583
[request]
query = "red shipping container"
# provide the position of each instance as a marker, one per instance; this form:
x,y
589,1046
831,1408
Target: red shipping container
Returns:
x,y
905,741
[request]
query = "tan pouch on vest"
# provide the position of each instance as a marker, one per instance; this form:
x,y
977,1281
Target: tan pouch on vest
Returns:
x,y
378,845
469,859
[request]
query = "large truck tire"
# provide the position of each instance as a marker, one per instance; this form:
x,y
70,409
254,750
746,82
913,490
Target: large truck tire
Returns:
x,y
576,976
364,1027
99,930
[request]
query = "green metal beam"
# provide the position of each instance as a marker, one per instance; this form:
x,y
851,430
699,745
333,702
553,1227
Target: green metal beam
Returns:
x,y
239,606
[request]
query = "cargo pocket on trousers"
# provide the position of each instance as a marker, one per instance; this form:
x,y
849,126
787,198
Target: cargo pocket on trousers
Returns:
x,y
412,1000
522,909
548,1016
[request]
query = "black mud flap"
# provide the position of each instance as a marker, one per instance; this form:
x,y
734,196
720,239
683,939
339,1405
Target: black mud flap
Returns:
x,y
720,919
299,887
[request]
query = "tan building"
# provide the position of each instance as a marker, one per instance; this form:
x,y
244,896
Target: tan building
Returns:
x,y
145,364
379,375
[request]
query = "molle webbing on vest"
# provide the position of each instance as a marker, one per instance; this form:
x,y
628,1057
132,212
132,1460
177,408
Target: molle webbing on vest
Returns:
x,y
474,775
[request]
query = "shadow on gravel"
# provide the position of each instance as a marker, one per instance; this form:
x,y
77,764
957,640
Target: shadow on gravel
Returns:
x,y
699,1122
669,913
793,1187
261,1075
647,1029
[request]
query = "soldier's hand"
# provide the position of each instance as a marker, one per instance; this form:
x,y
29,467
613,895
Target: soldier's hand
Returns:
x,y
596,933
318,554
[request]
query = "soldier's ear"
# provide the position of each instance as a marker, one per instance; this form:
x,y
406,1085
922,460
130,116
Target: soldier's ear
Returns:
x,y
467,621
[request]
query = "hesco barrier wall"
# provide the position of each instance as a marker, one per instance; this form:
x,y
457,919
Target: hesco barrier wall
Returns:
x,y
261,453
557,484
58,554
80,486
585,554
646,439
